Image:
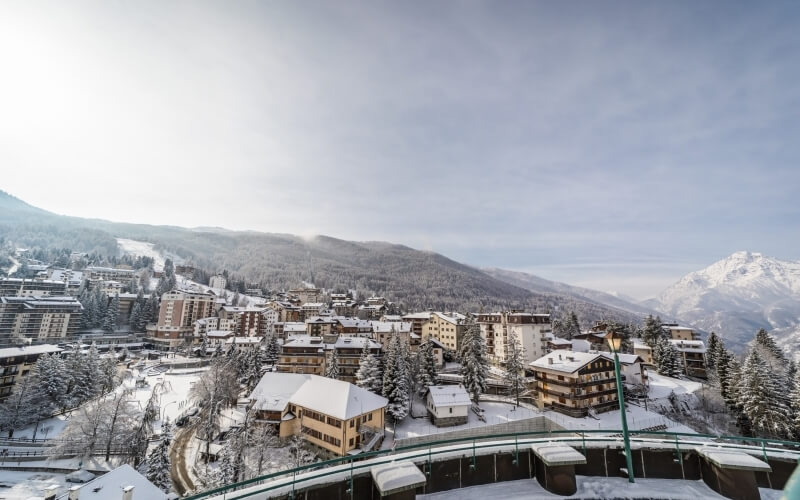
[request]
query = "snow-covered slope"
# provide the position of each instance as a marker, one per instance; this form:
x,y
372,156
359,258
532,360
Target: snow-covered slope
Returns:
x,y
738,295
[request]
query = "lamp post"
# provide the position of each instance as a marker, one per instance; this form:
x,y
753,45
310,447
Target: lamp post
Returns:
x,y
614,342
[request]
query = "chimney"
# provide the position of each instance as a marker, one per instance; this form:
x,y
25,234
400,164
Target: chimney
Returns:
x,y
549,361
74,492
127,493
50,492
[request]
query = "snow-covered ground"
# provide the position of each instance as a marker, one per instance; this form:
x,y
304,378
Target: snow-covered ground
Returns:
x,y
48,429
173,389
494,413
661,386
593,487
22,485
143,249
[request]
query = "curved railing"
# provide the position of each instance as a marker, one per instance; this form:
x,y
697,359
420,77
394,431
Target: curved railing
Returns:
x,y
426,451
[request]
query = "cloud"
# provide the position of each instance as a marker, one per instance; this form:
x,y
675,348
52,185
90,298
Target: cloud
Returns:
x,y
511,134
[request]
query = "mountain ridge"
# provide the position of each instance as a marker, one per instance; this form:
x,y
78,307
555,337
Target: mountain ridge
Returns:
x,y
414,278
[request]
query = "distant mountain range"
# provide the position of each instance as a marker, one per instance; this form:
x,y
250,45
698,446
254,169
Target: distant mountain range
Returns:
x,y
414,278
738,295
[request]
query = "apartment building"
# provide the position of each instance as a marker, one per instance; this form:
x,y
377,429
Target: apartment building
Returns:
x,y
335,416
353,327
305,355
319,326
219,282
287,312
72,279
417,320
677,332
179,311
447,328
98,273
530,330
19,287
16,362
305,295
693,353
348,353
575,382
38,319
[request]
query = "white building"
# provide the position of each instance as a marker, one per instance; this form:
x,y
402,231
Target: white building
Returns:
x,y
218,282
529,329
448,405
122,483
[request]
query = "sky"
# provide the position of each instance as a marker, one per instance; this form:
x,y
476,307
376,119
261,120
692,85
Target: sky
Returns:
x,y
612,145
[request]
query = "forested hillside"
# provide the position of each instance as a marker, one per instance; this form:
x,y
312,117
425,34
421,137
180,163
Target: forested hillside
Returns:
x,y
415,279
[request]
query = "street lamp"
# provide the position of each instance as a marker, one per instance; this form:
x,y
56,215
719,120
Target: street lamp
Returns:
x,y
615,342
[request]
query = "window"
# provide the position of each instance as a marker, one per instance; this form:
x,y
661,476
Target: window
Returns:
x,y
352,423
351,441
451,409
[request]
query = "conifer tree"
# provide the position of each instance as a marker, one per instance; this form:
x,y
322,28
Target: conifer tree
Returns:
x,y
50,373
767,342
369,375
795,402
759,398
712,349
158,462
332,369
395,381
427,366
652,330
515,368
474,363
273,350
112,313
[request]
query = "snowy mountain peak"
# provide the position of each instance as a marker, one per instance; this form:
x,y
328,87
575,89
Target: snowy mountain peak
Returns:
x,y
737,295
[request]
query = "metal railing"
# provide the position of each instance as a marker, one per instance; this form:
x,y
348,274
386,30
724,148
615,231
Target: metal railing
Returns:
x,y
426,451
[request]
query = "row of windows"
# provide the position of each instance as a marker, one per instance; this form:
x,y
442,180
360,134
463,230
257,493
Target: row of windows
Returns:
x,y
322,437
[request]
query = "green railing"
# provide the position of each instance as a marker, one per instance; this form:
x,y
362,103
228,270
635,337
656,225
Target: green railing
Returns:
x,y
289,479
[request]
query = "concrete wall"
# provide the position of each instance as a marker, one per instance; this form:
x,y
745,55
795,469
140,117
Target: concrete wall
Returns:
x,y
535,424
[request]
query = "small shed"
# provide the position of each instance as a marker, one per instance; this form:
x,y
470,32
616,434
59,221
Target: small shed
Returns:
x,y
448,405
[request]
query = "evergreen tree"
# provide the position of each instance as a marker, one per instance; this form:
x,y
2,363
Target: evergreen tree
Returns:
x,y
158,462
273,350
667,358
795,402
369,374
100,308
395,381
86,376
767,342
760,398
427,366
515,368
474,363
332,370
50,373
112,313
712,350
389,368
652,331
136,317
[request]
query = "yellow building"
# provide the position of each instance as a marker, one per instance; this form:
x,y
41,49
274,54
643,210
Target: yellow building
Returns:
x,y
447,328
335,416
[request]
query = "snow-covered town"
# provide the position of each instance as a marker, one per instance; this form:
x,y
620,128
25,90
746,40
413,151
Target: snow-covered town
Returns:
x,y
398,250
194,381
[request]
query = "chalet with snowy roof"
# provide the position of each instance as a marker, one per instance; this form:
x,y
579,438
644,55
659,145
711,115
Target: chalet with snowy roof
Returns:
x,y
417,320
243,343
371,312
122,483
693,353
346,308
334,415
16,362
677,332
447,405
287,312
631,367
575,382
305,355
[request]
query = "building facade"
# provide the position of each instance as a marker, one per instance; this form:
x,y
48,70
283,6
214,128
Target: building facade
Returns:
x,y
38,319
530,330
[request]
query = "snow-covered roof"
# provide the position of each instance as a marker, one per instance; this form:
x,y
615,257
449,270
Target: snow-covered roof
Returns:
x,y
274,390
396,477
313,305
559,341
565,361
389,326
10,352
109,486
353,322
420,315
317,319
243,340
305,340
294,327
641,345
392,317
451,317
728,459
336,398
355,342
625,359
219,333
449,395
689,345
558,454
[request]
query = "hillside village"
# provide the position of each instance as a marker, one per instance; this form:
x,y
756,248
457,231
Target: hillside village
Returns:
x,y
194,384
